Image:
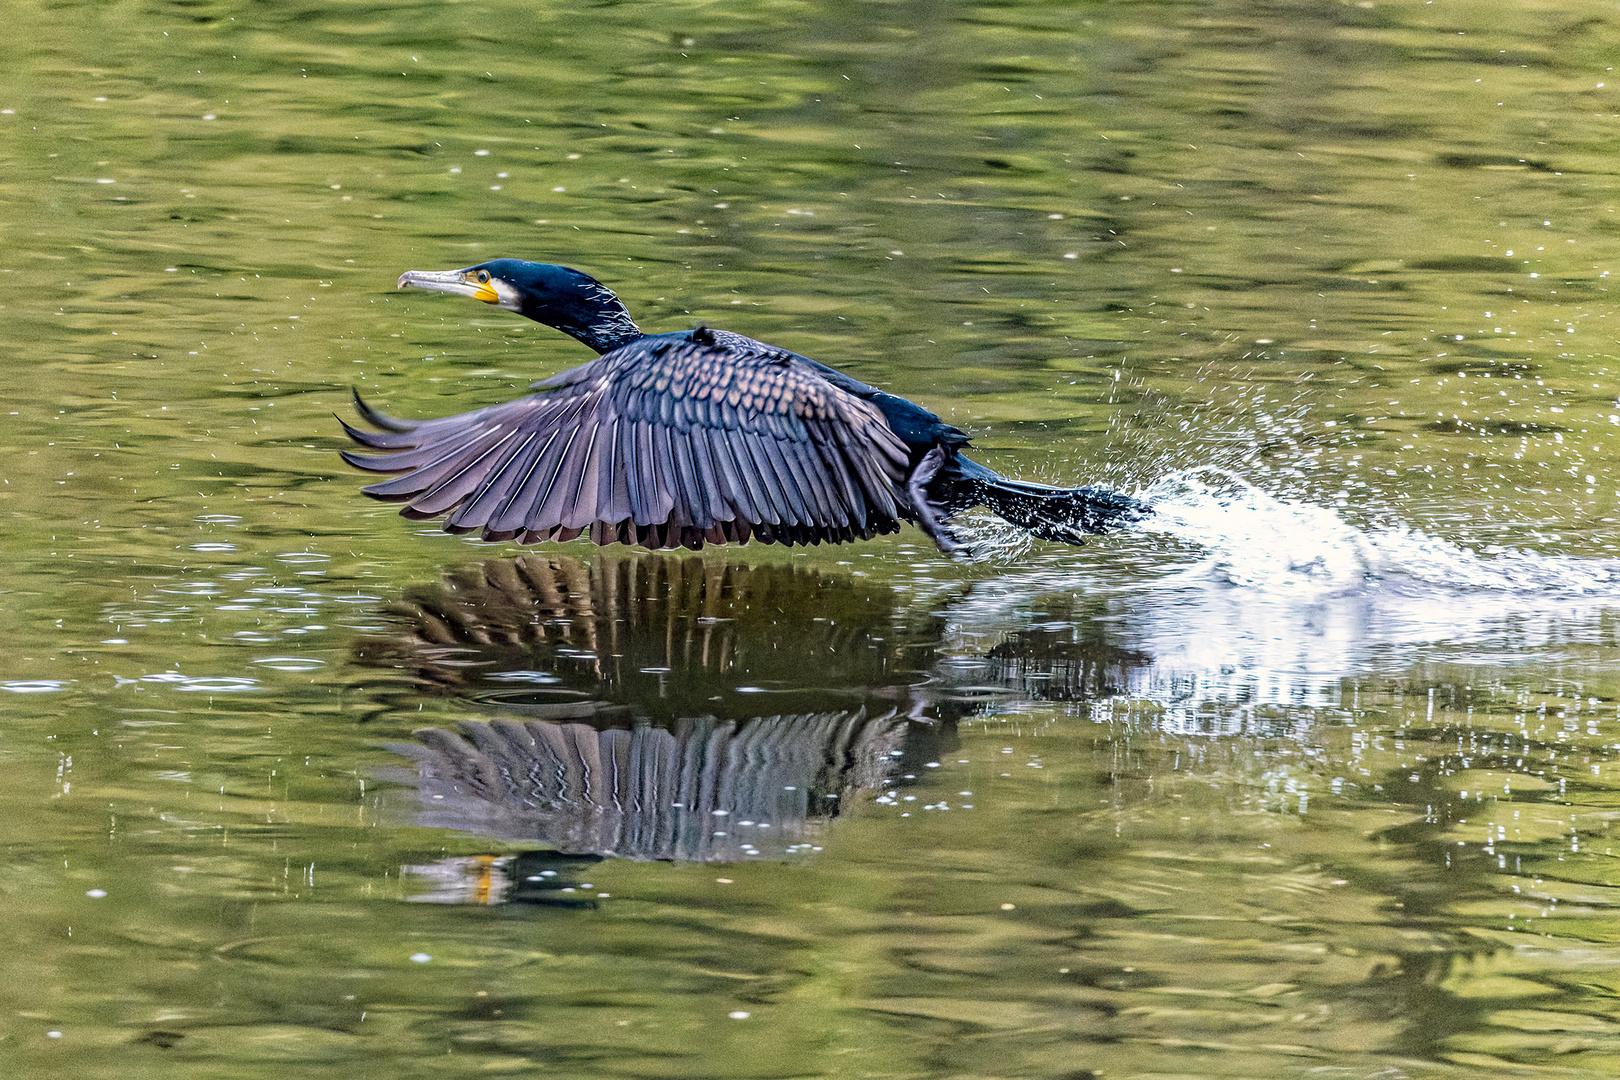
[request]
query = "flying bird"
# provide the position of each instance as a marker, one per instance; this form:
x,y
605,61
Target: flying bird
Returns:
x,y
693,437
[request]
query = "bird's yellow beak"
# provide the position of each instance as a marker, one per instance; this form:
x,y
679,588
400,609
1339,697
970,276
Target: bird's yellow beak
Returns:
x,y
474,283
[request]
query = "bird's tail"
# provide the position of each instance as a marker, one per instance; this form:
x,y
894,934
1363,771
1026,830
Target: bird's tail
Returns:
x,y
1067,515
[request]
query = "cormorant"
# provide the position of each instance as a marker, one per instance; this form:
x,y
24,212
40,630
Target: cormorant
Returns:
x,y
699,436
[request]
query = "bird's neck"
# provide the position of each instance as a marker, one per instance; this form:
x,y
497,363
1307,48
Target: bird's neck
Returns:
x,y
604,337
598,318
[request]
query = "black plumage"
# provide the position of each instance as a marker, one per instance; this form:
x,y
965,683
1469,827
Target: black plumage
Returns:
x,y
702,436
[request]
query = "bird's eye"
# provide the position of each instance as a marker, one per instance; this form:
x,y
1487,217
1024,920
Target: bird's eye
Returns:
x,y
483,277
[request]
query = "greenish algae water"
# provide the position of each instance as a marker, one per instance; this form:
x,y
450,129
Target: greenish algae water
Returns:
x,y
1313,775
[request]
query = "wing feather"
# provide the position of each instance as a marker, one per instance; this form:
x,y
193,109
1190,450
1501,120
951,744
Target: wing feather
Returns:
x,y
680,510
733,486
654,502
497,487
839,480
447,467
541,499
689,481
585,505
666,441
613,503
637,477
786,486
810,471
418,455
758,475
514,511
557,503
703,457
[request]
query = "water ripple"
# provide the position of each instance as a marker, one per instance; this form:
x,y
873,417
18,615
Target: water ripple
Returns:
x,y
35,686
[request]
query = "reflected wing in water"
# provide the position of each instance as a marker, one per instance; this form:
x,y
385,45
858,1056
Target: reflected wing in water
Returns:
x,y
654,707
698,790
659,637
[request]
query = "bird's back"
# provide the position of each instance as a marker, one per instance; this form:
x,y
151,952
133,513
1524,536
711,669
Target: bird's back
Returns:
x,y
914,425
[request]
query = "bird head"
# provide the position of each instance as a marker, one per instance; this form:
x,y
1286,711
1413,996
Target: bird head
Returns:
x,y
573,302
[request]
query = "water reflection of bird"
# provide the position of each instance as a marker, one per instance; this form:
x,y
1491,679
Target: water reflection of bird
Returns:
x,y
653,706
654,636
694,437
697,790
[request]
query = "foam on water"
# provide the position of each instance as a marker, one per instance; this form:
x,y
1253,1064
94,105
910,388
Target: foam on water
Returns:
x,y
1272,602
1255,540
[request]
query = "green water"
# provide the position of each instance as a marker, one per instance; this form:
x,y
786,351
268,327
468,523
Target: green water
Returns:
x,y
1310,778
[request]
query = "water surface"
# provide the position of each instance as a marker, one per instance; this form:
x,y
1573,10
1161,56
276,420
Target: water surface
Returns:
x,y
1312,774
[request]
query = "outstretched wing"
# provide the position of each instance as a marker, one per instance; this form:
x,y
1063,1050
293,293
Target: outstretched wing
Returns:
x,y
663,443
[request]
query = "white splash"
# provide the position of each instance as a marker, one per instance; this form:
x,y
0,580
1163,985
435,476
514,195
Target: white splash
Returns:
x,y
1273,602
1252,539
1256,540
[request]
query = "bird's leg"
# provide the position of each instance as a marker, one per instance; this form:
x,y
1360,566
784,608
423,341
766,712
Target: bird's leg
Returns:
x,y
927,520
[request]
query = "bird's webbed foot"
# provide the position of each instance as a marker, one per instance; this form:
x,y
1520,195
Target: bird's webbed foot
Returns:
x,y
927,512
